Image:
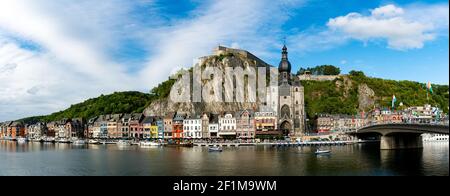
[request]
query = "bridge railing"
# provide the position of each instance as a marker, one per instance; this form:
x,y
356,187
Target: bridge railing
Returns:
x,y
405,122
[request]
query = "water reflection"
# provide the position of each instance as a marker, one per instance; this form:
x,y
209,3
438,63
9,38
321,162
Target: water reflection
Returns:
x,y
362,159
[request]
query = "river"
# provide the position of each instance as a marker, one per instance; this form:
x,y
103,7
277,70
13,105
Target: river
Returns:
x,y
38,159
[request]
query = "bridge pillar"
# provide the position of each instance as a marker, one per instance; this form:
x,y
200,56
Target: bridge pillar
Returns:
x,y
400,141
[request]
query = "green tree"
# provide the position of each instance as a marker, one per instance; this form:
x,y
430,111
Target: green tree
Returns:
x,y
321,70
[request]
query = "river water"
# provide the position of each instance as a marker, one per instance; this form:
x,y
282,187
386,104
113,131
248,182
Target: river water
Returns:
x,y
359,159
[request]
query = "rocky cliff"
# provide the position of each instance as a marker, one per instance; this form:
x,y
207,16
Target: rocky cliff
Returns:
x,y
222,58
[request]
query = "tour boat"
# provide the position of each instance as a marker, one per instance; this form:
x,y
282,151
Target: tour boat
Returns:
x,y
215,149
123,143
318,151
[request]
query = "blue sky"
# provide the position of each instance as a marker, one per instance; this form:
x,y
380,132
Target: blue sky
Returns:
x,y
56,53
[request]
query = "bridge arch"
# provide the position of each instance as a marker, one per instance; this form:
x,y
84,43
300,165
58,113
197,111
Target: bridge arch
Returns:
x,y
399,135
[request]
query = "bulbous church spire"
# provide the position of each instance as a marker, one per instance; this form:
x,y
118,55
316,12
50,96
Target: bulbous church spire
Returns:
x,y
285,65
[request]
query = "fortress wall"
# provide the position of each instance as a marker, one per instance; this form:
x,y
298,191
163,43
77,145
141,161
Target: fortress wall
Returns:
x,y
318,77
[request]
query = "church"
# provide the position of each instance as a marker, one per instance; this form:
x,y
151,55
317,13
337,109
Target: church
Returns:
x,y
287,99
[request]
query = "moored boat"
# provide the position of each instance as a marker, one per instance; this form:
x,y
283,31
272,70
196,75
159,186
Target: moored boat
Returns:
x,y
79,142
107,142
38,139
63,140
319,151
93,142
149,143
21,140
49,139
215,149
123,143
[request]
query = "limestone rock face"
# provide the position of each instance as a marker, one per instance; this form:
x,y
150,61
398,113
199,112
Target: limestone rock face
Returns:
x,y
366,97
223,58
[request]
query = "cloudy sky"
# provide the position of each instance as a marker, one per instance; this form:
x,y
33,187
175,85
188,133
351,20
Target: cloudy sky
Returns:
x,y
57,53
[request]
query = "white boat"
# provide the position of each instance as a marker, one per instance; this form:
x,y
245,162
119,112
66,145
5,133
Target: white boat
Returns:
x,y
79,142
93,142
123,143
21,140
318,151
49,139
108,142
63,140
435,137
149,143
37,139
215,149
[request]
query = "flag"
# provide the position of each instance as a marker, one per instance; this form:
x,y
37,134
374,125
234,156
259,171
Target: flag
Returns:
x,y
429,87
393,100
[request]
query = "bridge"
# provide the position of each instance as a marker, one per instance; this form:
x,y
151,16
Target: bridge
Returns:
x,y
400,135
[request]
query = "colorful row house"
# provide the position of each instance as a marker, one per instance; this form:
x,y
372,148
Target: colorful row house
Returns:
x,y
69,128
15,130
113,126
150,126
36,131
116,126
136,128
160,125
51,129
4,128
213,126
168,125
266,123
245,124
177,126
124,126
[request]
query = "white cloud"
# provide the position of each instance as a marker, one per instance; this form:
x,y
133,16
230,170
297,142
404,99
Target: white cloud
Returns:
x,y
31,20
35,84
76,42
71,63
403,28
387,23
249,23
387,11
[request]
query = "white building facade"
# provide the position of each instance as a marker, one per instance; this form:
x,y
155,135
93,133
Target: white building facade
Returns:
x,y
227,126
192,128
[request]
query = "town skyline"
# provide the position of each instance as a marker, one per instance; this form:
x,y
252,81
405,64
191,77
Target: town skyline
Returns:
x,y
102,48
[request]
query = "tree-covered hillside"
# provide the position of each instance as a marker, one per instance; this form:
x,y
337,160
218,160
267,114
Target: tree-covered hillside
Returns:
x,y
328,97
119,102
407,92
